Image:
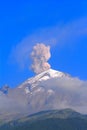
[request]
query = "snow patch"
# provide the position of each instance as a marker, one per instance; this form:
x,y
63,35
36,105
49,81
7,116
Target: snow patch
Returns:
x,y
27,90
39,90
50,91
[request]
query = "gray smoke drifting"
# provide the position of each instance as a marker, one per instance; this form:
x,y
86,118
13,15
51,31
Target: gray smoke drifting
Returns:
x,y
40,55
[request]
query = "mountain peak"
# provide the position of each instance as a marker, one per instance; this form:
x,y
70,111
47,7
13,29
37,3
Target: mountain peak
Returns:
x,y
46,75
50,73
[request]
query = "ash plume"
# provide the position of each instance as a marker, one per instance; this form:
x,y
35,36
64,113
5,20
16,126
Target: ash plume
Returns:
x,y
40,55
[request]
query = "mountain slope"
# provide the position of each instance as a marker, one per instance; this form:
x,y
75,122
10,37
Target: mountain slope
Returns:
x,y
53,120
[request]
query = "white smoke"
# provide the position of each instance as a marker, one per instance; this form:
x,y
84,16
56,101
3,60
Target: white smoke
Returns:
x,y
40,55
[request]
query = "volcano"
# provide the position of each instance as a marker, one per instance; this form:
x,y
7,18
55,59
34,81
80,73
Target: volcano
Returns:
x,y
49,90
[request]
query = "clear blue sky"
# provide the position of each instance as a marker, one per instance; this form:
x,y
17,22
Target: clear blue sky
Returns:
x,y
43,21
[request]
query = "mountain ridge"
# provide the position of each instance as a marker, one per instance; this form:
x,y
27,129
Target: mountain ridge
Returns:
x,y
65,119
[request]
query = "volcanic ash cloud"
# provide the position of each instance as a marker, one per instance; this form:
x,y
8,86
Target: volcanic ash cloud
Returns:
x,y
40,55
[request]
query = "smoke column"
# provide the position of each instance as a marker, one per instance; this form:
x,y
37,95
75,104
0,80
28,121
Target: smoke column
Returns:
x,y
40,55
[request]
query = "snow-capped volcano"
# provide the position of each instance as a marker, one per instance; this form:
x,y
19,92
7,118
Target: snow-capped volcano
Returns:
x,y
44,76
48,90
47,75
33,82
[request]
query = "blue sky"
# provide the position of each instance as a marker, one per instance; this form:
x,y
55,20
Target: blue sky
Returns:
x,y
60,24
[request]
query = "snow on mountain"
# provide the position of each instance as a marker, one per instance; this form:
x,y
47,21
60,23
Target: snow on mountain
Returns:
x,y
48,90
44,76
47,75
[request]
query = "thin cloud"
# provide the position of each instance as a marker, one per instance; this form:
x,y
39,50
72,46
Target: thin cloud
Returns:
x,y
70,93
61,35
